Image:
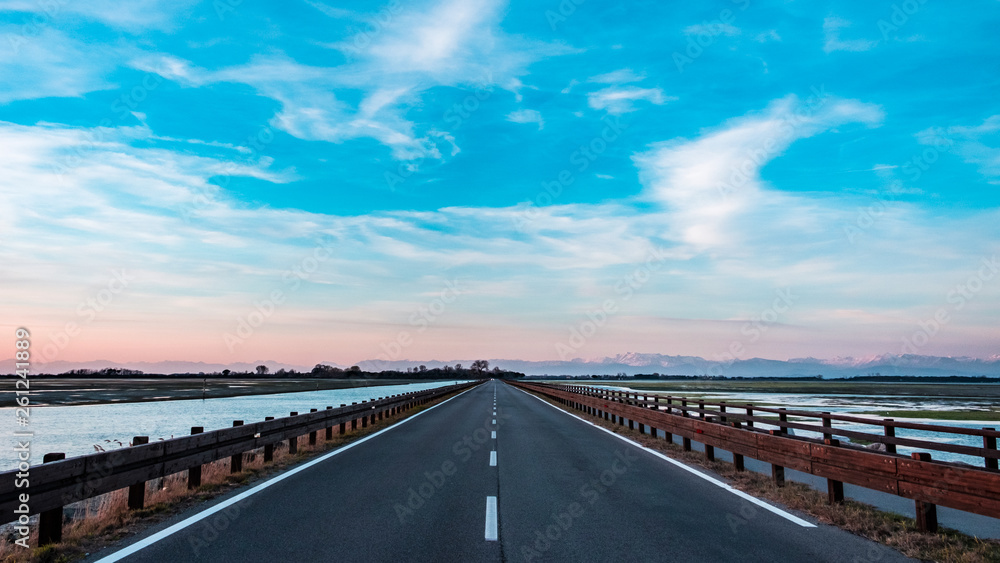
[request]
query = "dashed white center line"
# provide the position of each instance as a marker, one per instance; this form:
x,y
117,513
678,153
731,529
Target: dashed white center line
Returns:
x,y
494,421
493,459
494,435
491,519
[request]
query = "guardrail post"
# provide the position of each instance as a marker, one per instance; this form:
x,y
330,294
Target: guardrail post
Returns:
x,y
990,443
236,462
749,413
194,473
268,448
890,432
137,492
684,405
834,488
783,417
354,421
701,408
709,452
343,425
926,511
293,442
738,462
312,435
686,444
329,429
722,412
827,423
50,522
778,471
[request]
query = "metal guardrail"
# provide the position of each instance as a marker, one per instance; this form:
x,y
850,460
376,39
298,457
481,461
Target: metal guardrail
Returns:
x,y
59,481
737,428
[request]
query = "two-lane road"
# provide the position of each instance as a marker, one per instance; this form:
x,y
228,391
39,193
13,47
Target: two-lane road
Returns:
x,y
493,474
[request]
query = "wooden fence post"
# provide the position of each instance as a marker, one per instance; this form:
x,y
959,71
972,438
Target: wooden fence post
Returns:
x,y
343,425
749,413
827,423
778,471
890,432
268,448
137,492
354,421
194,473
236,462
312,435
50,522
783,417
990,443
738,463
926,512
293,442
329,429
834,488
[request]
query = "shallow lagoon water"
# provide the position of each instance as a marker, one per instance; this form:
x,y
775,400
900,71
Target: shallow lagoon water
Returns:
x,y
854,404
75,430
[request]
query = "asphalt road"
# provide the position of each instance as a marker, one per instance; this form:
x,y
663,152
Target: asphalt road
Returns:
x,y
458,483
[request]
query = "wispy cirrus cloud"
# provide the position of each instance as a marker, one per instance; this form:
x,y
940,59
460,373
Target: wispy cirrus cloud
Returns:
x,y
832,27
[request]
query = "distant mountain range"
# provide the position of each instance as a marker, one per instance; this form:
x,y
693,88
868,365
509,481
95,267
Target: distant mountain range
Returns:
x,y
630,364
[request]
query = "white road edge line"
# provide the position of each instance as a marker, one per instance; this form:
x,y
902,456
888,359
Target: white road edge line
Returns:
x,y
491,519
119,555
709,478
493,459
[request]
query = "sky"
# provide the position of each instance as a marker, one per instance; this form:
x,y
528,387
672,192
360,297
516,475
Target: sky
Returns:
x,y
309,182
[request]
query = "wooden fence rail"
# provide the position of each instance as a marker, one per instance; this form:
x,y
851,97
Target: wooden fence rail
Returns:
x,y
62,481
738,429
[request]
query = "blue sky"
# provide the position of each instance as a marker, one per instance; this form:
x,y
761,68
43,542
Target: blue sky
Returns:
x,y
314,181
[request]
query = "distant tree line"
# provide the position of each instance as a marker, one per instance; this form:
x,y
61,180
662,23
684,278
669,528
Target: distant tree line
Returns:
x,y
478,370
878,378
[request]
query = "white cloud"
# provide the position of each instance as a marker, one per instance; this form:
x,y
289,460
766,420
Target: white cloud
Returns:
x,y
712,29
453,43
134,16
709,181
617,100
527,116
621,76
831,32
51,64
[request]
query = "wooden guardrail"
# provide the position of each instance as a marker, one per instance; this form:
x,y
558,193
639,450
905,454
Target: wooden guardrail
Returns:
x,y
739,429
58,481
